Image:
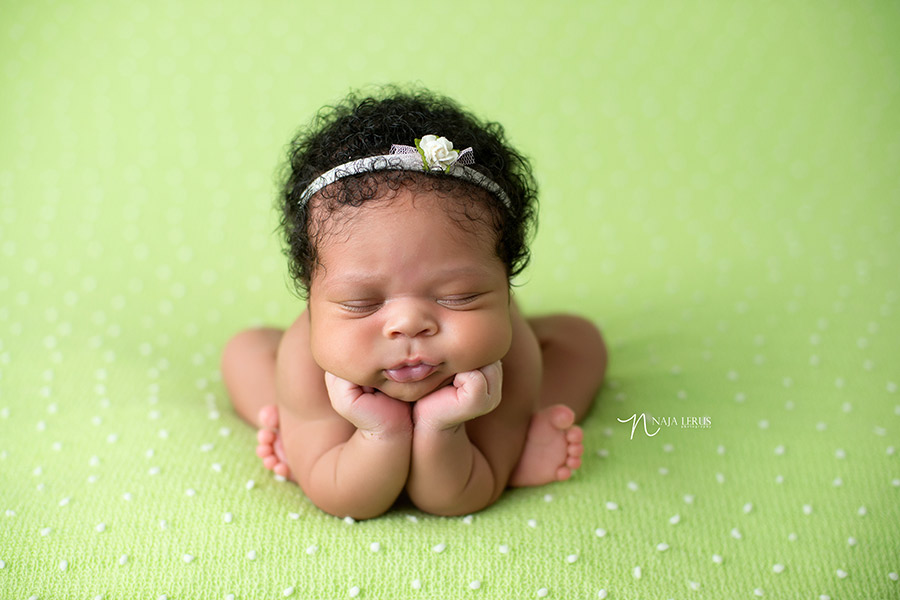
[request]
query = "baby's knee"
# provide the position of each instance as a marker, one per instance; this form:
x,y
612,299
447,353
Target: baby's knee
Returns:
x,y
578,330
243,347
234,349
572,335
581,339
588,335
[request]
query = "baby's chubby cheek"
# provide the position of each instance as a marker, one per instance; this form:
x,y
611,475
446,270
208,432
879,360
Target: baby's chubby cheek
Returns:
x,y
468,342
341,364
328,352
483,343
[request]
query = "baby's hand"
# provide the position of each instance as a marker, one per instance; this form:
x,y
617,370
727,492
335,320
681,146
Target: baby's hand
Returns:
x,y
371,411
473,394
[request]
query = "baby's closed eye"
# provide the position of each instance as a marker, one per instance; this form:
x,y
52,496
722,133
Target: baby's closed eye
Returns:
x,y
367,306
360,307
458,300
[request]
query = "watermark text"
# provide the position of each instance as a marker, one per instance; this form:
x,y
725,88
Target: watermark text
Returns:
x,y
649,422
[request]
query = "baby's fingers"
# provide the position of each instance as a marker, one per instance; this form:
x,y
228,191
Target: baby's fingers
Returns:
x,y
341,390
493,375
470,383
481,383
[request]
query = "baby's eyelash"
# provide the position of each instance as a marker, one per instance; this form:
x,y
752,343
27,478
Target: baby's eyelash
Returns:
x,y
360,307
454,301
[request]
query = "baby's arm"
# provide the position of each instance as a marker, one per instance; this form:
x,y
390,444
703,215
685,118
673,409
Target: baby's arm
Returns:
x,y
465,446
349,452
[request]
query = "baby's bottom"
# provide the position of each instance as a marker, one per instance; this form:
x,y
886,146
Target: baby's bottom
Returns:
x,y
574,360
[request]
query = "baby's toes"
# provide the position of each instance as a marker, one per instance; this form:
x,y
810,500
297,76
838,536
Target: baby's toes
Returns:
x,y
268,417
562,417
575,449
574,439
265,451
575,435
265,447
563,473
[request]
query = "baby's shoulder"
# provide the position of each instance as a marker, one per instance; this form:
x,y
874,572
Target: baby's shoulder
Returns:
x,y
295,341
524,354
299,379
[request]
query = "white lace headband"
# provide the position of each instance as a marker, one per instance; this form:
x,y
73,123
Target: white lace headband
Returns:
x,y
431,153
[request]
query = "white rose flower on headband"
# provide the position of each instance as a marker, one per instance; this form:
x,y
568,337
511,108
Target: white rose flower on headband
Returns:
x,y
437,152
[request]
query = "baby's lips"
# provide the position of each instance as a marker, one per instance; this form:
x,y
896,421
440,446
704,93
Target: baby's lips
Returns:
x,y
410,373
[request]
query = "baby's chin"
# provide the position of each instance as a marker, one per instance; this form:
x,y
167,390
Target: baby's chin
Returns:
x,y
411,392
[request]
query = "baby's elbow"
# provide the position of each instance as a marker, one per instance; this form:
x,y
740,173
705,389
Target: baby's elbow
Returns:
x,y
344,508
450,506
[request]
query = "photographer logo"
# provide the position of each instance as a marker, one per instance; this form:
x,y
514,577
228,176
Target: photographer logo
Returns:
x,y
649,422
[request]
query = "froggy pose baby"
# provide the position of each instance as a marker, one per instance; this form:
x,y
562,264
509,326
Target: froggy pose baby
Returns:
x,y
412,370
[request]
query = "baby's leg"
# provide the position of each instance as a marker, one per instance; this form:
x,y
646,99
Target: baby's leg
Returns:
x,y
574,361
248,370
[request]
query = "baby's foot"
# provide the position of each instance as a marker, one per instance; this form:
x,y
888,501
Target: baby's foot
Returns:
x,y
270,448
552,450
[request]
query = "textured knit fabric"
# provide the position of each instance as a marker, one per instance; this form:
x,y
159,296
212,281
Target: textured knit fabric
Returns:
x,y
720,192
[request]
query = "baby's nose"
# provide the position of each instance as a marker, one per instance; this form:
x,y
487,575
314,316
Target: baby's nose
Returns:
x,y
409,319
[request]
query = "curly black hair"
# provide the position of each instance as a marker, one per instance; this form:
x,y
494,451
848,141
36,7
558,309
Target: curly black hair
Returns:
x,y
362,126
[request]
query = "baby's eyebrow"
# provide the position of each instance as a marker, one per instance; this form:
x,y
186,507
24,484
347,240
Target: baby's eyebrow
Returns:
x,y
365,279
346,278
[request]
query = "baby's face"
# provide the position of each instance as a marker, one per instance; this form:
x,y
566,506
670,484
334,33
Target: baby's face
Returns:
x,y
405,297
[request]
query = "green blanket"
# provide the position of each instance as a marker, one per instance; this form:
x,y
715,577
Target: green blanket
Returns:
x,y
720,193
